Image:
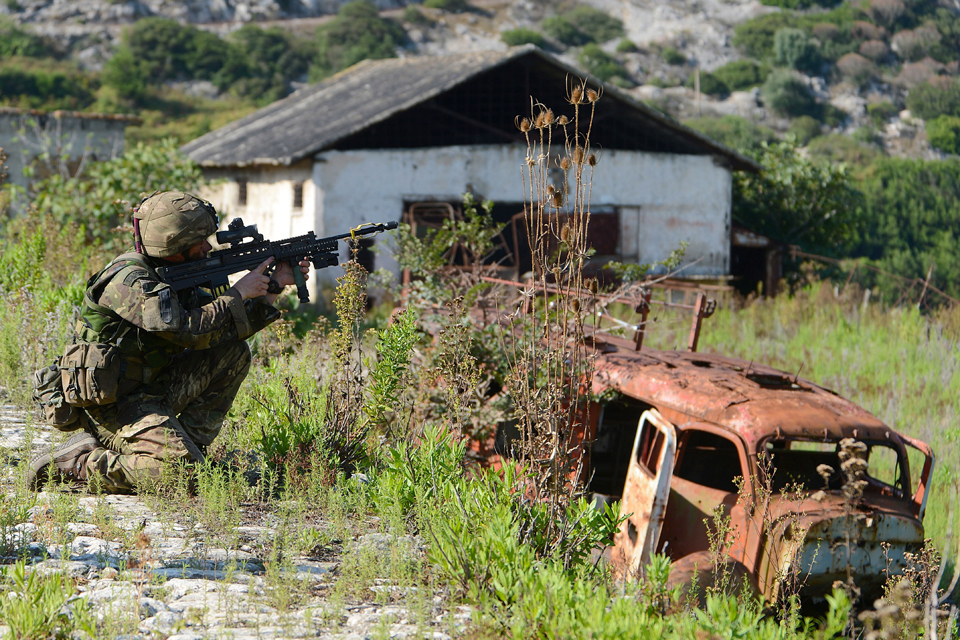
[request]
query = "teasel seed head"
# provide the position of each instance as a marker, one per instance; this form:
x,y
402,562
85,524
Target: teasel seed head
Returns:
x,y
548,117
563,121
578,155
525,125
593,285
550,189
538,123
558,199
565,233
576,95
592,96
592,160
565,164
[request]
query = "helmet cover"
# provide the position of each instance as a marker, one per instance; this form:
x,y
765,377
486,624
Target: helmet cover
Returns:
x,y
171,222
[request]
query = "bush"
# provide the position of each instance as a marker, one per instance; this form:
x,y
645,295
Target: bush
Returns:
x,y
856,68
601,64
800,4
450,6
125,74
912,218
265,62
944,134
515,37
917,43
672,56
805,129
14,41
413,15
709,84
103,197
786,93
45,84
742,74
755,37
875,50
886,12
561,29
838,148
880,112
932,99
735,132
794,49
597,25
627,46
357,33
797,201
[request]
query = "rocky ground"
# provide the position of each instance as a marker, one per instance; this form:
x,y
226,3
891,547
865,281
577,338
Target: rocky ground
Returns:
x,y
146,569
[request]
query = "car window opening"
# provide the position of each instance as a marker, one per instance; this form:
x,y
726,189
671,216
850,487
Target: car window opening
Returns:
x,y
801,465
709,460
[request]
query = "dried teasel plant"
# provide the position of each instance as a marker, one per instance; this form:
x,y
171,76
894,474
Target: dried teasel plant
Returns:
x,y
550,365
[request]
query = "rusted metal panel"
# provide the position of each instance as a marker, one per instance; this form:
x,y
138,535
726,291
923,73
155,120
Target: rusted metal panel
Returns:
x,y
645,493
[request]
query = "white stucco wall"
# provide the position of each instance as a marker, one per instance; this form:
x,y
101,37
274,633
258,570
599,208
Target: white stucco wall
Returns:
x,y
664,199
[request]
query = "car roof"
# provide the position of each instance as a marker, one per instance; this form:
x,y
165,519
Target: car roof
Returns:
x,y
752,400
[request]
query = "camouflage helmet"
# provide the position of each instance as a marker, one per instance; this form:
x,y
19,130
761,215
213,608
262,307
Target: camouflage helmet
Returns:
x,y
170,222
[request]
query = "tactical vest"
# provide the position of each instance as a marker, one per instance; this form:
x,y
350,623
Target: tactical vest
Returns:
x,y
143,354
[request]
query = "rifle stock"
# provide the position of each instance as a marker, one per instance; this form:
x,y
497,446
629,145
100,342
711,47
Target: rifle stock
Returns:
x,y
243,255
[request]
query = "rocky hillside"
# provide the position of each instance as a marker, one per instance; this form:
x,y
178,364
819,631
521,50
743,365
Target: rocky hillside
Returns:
x,y
847,69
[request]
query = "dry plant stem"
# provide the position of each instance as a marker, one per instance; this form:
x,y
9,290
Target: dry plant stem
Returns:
x,y
550,364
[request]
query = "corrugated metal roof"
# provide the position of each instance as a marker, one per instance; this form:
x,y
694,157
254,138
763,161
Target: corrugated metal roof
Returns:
x,y
320,115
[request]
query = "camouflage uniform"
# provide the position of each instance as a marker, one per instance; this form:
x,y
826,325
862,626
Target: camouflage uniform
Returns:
x,y
183,360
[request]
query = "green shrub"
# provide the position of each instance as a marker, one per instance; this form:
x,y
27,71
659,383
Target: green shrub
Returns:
x,y
805,129
357,33
944,134
103,197
627,46
125,74
797,201
45,84
561,29
266,61
839,148
597,25
709,84
451,6
413,15
786,93
800,4
515,37
912,219
601,64
671,56
880,112
14,41
793,48
755,37
735,132
932,99
742,74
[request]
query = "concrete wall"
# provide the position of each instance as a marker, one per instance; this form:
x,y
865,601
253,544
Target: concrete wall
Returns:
x,y
25,135
664,199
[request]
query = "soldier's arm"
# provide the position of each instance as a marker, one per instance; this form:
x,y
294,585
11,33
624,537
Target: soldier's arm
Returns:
x,y
137,297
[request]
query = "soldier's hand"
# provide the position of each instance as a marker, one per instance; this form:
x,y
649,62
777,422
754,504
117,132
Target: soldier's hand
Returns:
x,y
254,284
284,274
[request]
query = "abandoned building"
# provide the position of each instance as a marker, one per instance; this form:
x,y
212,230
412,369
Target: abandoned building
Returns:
x,y
405,138
58,141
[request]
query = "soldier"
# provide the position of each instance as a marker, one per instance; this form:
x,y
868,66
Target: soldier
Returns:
x,y
183,357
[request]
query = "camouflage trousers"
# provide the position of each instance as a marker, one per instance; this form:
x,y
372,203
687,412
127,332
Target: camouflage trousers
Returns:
x,y
169,421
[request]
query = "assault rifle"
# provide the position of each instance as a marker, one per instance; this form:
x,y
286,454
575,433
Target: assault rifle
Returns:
x,y
212,271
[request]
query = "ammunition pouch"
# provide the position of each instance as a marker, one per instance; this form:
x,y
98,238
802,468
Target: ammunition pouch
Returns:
x,y
90,374
48,394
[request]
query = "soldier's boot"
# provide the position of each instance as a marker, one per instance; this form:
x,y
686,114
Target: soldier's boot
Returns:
x,y
66,463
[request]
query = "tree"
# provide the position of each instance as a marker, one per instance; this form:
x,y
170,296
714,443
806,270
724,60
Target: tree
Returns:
x,y
357,33
797,201
793,48
944,134
785,92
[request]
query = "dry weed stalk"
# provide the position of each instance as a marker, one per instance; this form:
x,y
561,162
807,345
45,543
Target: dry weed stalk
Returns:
x,y
550,365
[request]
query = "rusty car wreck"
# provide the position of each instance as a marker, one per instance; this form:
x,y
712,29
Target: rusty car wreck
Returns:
x,y
683,437
686,427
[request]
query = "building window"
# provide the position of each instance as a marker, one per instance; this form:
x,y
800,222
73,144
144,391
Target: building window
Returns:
x,y
298,195
242,192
